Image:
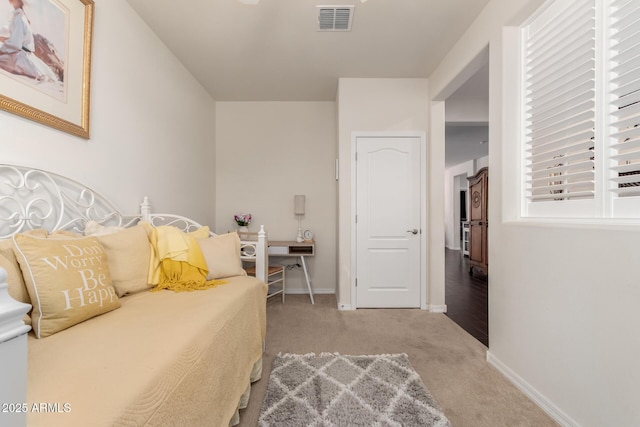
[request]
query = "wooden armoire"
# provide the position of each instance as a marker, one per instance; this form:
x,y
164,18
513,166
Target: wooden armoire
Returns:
x,y
478,249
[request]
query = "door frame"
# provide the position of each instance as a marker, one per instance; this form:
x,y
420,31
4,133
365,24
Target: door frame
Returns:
x,y
423,207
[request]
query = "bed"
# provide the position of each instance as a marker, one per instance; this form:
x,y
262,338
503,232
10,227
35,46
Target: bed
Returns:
x,y
161,358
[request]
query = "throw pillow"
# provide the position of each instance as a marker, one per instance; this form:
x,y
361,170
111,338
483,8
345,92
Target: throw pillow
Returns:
x,y
17,288
68,281
93,228
128,254
64,234
222,255
200,233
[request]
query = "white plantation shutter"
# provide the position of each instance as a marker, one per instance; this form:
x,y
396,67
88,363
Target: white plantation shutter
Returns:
x,y
624,75
559,103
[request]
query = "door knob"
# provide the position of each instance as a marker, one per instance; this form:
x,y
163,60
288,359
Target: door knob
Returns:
x,y
414,231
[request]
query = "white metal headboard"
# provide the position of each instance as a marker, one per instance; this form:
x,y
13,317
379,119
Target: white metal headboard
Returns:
x,y
156,219
33,198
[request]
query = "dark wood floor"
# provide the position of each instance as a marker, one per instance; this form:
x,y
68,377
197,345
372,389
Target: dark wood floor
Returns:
x,y
466,296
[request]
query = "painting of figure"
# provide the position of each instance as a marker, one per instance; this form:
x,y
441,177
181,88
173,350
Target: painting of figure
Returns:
x,y
33,45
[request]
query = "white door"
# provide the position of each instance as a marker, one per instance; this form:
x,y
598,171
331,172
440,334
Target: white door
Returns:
x,y
388,222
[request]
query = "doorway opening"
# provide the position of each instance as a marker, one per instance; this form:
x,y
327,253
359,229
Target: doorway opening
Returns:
x,y
466,154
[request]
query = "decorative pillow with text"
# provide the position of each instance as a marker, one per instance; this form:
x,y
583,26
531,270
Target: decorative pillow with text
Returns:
x,y
68,281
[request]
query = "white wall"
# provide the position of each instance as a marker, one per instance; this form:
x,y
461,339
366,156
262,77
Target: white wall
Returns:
x,y
267,152
370,105
152,125
468,110
453,177
562,298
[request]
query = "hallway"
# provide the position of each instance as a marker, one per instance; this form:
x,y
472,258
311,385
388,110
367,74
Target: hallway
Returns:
x,y
466,296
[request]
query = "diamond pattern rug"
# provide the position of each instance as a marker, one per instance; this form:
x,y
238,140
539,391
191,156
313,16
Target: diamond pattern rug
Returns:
x,y
333,390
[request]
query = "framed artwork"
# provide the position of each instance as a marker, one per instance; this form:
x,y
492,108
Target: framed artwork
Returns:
x,y
45,61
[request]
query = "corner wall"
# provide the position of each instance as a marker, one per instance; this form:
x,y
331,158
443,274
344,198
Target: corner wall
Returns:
x,y
562,297
267,152
152,125
370,105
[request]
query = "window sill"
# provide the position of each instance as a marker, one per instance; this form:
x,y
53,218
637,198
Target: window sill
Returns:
x,y
583,223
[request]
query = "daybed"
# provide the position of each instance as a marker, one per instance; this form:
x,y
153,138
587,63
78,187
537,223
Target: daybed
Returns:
x,y
156,357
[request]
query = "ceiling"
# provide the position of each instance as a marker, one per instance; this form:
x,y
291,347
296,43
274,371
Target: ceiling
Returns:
x,y
468,140
464,143
477,87
271,51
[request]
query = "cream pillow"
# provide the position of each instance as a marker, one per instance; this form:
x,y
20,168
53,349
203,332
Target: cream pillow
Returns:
x,y
200,233
64,234
93,228
68,281
128,255
222,255
17,288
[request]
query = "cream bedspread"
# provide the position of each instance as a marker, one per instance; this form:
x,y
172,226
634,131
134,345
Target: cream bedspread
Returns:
x,y
163,358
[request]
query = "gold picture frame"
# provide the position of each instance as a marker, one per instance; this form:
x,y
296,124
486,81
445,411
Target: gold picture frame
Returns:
x,y
62,99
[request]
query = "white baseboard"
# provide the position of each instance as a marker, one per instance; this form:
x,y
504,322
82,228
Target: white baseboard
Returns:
x,y
538,398
300,291
431,308
437,308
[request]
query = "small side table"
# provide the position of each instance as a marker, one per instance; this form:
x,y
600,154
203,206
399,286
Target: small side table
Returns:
x,y
294,249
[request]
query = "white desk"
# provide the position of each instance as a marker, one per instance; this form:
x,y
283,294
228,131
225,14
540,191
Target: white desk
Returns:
x,y
294,249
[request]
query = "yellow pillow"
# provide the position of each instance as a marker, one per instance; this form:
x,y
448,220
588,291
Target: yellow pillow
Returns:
x,y
128,254
222,254
68,281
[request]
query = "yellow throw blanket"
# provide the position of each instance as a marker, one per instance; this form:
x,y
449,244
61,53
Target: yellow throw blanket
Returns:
x,y
177,262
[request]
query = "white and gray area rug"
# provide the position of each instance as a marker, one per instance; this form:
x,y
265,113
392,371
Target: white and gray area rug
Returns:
x,y
334,390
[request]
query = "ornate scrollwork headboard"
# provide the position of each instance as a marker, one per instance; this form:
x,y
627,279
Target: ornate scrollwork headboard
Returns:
x,y
33,198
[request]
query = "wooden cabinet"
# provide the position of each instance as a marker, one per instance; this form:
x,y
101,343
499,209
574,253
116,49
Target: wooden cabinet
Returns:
x,y
478,248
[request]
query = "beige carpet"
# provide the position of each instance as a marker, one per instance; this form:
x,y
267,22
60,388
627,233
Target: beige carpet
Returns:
x,y
452,364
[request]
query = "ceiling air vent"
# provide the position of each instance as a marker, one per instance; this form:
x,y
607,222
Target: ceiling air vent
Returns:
x,y
335,18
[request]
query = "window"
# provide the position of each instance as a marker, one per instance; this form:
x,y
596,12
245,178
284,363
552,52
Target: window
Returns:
x,y
581,71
